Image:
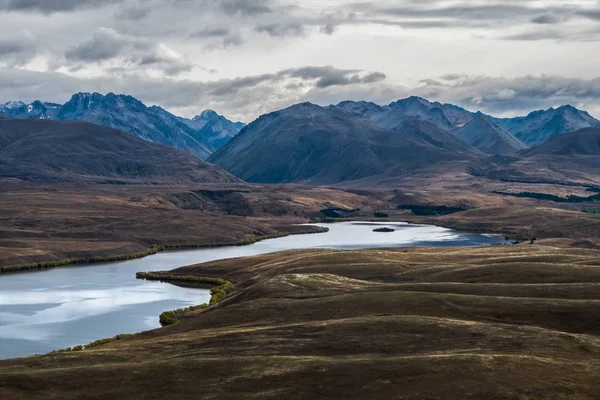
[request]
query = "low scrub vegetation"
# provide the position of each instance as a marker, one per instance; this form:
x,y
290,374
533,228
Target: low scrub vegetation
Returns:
x,y
338,212
218,291
557,199
93,344
592,211
70,261
431,210
381,215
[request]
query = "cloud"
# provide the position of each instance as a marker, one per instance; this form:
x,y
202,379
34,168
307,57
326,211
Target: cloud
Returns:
x,y
214,31
330,76
245,7
515,95
133,13
590,14
327,29
280,30
17,50
106,44
546,19
219,37
53,6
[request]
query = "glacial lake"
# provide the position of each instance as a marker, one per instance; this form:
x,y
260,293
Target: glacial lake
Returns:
x,y
47,310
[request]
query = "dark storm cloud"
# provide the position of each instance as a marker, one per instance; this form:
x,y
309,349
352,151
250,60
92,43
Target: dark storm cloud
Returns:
x,y
52,6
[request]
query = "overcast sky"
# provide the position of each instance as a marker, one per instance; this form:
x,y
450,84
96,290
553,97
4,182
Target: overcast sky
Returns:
x,y
244,58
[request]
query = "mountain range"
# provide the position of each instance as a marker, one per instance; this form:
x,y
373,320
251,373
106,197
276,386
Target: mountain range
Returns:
x,y
200,136
350,141
75,151
532,129
325,145
362,141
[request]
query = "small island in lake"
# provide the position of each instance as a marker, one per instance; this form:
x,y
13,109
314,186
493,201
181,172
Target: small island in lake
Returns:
x,y
384,230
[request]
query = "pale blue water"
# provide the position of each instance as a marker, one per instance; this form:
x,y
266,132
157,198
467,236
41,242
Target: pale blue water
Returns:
x,y
47,310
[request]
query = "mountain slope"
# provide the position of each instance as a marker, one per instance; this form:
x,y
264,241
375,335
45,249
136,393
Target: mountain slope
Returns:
x,y
308,143
128,114
585,142
541,125
485,135
75,151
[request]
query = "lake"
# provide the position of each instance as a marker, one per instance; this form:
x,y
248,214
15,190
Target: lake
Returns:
x,y
47,310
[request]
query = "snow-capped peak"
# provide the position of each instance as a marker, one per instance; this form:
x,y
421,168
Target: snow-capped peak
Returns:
x,y
11,105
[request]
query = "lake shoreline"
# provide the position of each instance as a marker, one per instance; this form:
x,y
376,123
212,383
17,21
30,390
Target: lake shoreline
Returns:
x,y
95,283
155,249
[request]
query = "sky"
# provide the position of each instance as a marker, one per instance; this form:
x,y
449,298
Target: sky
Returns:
x,y
244,58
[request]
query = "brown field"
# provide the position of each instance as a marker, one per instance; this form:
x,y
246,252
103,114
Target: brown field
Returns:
x,y
498,322
59,222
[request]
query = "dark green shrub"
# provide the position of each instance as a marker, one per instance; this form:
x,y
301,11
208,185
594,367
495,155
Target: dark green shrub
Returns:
x,y
167,318
381,215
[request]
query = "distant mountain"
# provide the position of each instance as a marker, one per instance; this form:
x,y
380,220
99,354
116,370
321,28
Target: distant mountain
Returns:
x,y
200,136
75,151
585,142
325,145
531,130
35,110
444,116
217,129
482,133
541,125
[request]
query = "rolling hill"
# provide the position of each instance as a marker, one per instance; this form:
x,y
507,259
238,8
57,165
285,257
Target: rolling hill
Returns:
x,y
74,151
323,145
